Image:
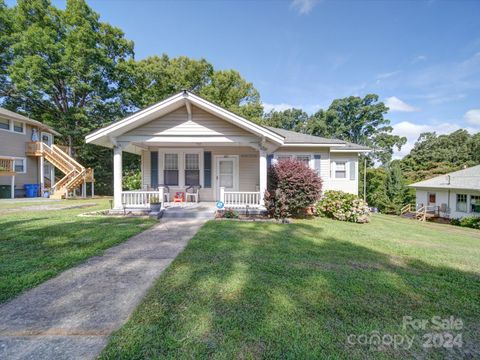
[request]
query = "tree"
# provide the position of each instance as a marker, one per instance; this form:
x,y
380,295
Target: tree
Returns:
x,y
439,154
290,119
64,66
153,79
63,71
358,120
6,28
229,90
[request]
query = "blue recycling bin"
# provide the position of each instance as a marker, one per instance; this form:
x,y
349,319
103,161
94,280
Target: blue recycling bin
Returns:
x,y
31,190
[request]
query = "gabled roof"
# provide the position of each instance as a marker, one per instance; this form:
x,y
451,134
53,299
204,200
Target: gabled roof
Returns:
x,y
14,116
107,135
172,103
467,179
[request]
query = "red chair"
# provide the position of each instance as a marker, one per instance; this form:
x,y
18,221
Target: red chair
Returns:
x,y
179,197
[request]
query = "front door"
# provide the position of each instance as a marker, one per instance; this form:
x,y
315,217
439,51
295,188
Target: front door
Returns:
x,y
227,174
47,138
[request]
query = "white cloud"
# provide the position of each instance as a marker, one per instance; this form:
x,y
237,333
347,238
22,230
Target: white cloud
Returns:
x,y
304,6
412,131
472,117
419,58
395,104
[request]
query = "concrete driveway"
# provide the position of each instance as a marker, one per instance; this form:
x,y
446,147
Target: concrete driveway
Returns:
x,y
72,315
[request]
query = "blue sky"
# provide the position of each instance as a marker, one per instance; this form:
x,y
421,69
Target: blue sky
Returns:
x,y
421,57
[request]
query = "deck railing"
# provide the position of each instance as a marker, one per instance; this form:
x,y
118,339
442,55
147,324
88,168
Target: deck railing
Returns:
x,y
141,198
240,199
7,166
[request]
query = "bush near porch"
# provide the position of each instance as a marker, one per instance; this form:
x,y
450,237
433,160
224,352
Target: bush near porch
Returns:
x,y
292,187
342,206
246,290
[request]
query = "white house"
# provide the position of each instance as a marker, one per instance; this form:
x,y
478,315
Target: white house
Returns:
x,y
186,140
454,195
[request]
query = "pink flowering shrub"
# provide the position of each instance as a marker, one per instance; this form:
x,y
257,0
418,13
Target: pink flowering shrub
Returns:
x,y
292,187
343,206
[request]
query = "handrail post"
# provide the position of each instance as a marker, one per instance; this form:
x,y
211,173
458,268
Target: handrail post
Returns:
x,y
222,194
161,196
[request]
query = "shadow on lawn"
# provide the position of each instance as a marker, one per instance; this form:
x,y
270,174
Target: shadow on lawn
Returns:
x,y
35,249
292,292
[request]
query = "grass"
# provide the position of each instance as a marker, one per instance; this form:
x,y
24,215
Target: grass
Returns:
x,y
255,290
37,245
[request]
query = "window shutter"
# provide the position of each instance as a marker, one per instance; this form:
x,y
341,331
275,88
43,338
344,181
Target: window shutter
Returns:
x,y
316,163
352,170
269,160
207,169
154,169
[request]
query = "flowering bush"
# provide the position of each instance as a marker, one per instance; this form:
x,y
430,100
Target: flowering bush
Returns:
x,y
292,187
343,206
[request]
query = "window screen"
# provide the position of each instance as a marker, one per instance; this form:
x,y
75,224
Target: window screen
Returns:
x,y
4,124
18,126
171,170
192,169
475,203
340,170
19,165
462,202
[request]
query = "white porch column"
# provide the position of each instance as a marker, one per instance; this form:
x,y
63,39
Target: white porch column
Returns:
x,y
41,175
13,187
117,177
263,174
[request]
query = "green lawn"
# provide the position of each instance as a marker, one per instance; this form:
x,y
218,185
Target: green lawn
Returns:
x,y
256,290
37,245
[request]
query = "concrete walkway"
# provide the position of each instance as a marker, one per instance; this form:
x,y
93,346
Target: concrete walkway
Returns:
x,y
72,315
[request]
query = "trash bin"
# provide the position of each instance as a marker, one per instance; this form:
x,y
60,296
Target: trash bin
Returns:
x,y
31,190
5,191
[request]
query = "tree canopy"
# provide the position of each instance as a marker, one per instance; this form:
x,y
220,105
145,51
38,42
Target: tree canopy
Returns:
x,y
358,120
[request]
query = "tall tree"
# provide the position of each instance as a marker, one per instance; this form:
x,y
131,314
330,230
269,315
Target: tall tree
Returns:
x,y
359,120
228,89
290,119
150,80
64,66
439,154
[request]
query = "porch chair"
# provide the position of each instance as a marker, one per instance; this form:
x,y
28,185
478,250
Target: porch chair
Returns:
x,y
192,192
179,197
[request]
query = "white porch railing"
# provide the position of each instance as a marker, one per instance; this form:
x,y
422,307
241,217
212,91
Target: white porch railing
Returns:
x,y
141,198
240,199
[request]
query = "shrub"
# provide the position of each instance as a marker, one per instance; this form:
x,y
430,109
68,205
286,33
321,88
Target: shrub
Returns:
x,y
132,180
343,206
292,188
469,221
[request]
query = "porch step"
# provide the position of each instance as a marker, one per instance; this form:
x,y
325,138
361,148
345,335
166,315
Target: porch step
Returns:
x,y
173,213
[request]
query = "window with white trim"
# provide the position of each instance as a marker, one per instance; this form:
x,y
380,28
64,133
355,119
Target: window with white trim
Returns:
x,y
340,170
12,126
462,202
5,124
192,169
475,203
170,171
20,165
18,127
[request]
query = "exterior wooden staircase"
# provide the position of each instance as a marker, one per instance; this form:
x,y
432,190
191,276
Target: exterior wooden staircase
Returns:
x,y
420,213
75,174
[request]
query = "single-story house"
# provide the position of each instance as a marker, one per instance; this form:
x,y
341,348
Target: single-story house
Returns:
x,y
28,155
454,195
186,140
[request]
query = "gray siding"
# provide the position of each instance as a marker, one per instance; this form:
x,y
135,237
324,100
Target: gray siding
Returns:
x,y
177,123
